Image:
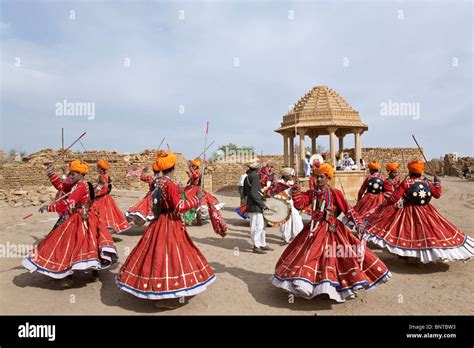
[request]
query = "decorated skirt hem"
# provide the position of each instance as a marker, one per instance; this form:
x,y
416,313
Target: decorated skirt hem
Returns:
x,y
304,288
140,215
108,253
150,295
458,253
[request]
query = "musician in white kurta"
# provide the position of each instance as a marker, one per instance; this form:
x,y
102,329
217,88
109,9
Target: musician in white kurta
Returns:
x,y
294,225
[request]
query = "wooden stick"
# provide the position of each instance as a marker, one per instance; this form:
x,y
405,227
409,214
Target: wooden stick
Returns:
x,y
426,161
159,146
205,149
82,135
204,155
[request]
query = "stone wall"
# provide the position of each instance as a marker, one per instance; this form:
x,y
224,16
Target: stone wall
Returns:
x,y
28,178
402,155
453,165
226,175
31,171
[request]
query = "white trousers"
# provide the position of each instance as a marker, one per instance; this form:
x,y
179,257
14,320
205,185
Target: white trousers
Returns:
x,y
293,226
257,229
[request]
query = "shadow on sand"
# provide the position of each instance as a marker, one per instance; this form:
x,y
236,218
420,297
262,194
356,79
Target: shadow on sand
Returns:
x,y
261,289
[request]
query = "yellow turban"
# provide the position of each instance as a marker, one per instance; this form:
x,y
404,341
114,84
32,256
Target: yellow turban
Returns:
x,y
103,164
79,167
374,165
392,167
416,167
196,162
165,160
324,168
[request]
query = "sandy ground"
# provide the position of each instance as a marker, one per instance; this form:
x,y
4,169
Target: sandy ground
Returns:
x,y
242,285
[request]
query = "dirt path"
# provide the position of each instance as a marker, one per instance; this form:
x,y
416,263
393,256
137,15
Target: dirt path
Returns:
x,y
242,285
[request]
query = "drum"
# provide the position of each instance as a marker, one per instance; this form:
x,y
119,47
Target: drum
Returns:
x,y
279,212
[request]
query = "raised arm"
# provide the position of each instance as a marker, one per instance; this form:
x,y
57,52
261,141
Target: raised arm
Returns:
x,y
68,203
181,206
435,187
145,177
58,184
301,199
102,187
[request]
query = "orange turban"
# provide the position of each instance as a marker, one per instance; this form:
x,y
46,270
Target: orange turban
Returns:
x,y
196,162
374,165
155,167
79,167
416,167
103,164
392,167
165,160
324,168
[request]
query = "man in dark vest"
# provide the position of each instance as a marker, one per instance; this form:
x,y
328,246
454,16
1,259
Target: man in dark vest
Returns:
x,y
255,207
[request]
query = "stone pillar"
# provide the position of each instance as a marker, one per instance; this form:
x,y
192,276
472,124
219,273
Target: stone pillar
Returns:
x,y
357,149
301,133
285,150
341,144
314,148
332,145
292,151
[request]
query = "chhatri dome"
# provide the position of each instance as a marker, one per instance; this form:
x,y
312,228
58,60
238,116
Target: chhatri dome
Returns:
x,y
321,111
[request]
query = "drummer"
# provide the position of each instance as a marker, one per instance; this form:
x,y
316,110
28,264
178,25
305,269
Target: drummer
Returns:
x,y
294,225
255,207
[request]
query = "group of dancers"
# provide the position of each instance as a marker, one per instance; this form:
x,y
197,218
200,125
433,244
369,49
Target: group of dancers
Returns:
x,y
328,255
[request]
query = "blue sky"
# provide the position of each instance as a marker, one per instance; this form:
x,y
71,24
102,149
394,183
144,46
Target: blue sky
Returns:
x,y
403,51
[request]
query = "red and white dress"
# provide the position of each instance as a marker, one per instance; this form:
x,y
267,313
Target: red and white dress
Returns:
x,y
367,200
325,257
81,242
58,185
144,208
418,230
107,209
166,263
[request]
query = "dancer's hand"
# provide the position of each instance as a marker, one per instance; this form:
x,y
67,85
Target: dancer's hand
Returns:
x,y
43,209
49,168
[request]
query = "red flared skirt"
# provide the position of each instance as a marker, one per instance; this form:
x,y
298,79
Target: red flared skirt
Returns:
x,y
73,245
165,263
419,231
328,262
368,203
208,197
143,209
111,215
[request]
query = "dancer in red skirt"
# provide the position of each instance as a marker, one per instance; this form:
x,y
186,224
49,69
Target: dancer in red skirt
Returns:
x,y
418,229
82,241
104,203
58,185
371,192
142,212
194,184
209,202
392,182
325,257
166,265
